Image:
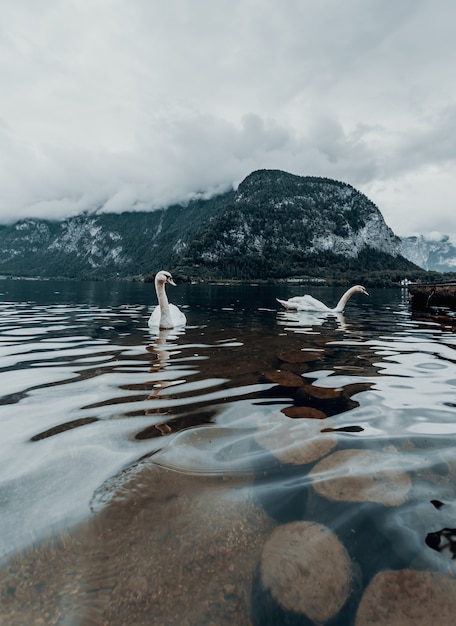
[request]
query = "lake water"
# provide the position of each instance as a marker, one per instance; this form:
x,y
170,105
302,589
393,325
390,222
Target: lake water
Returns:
x,y
180,478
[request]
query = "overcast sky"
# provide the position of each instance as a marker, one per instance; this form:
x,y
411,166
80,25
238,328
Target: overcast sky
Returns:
x,y
127,104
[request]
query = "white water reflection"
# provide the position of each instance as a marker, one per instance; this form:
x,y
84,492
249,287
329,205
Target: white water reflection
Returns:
x,y
309,321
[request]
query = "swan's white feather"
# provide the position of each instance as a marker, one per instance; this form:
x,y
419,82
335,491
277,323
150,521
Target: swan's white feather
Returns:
x,y
309,303
177,316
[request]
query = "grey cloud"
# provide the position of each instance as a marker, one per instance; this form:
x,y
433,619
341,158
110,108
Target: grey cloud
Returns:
x,y
138,105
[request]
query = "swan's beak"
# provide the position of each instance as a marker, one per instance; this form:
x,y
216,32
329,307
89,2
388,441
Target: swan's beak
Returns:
x,y
365,292
171,282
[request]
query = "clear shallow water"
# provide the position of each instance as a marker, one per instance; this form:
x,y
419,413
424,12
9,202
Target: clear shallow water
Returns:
x,y
142,475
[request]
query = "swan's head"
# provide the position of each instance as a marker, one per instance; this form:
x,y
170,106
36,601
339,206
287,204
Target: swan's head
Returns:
x,y
164,277
360,289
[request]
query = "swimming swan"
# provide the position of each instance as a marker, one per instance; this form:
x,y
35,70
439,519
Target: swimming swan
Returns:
x,y
309,303
165,315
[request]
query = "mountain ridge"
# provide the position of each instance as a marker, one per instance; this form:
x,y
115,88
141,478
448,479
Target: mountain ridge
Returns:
x,y
274,225
436,254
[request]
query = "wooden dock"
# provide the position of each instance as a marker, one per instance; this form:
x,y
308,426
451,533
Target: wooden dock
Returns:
x,y
424,296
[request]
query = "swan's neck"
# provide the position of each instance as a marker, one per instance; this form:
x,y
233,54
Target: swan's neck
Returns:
x,y
165,313
343,301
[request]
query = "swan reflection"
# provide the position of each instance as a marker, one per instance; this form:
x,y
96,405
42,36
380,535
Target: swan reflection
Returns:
x,y
305,321
162,350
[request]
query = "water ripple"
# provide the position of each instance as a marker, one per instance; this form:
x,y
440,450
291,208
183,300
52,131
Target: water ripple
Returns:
x,y
346,421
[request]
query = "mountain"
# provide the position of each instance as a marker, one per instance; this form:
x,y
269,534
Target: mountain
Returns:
x,y
102,245
274,225
438,255
278,224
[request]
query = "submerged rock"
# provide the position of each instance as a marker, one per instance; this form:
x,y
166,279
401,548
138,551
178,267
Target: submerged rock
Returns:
x,y
299,356
303,412
297,442
304,570
283,378
408,598
361,476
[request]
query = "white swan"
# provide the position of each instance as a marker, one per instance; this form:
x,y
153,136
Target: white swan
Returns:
x,y
309,303
165,315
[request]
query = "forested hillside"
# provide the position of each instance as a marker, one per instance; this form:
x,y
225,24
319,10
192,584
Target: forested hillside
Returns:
x,y
281,225
275,225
